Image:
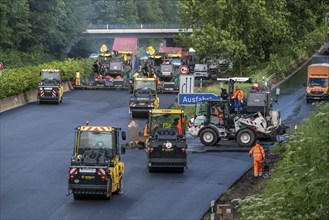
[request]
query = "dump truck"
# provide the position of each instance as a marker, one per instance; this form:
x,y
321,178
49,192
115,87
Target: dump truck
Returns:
x,y
144,98
317,86
96,169
50,88
165,142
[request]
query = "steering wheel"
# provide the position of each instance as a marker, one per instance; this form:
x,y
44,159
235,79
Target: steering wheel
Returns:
x,y
166,125
100,144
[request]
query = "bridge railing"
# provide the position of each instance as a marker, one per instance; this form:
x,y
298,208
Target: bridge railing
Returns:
x,y
134,26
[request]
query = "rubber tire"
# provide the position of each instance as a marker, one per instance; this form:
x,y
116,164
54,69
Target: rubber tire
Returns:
x,y
78,196
109,196
251,136
134,114
151,169
218,139
213,137
61,101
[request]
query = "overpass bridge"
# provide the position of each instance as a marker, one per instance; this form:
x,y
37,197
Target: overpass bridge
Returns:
x,y
135,30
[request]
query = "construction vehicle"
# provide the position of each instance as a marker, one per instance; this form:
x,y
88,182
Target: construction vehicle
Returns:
x,y
201,71
317,86
257,120
144,98
50,88
96,168
244,128
165,140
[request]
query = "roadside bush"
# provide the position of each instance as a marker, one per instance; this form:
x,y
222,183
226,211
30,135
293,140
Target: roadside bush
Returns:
x,y
299,187
19,80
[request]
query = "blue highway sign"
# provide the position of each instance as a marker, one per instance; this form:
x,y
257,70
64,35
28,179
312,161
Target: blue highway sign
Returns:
x,y
193,98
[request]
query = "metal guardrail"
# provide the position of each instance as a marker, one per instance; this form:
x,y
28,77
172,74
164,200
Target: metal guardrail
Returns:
x,y
134,26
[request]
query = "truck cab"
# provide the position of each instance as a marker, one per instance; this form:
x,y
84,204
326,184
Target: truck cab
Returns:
x,y
50,88
96,168
317,86
201,71
144,98
165,140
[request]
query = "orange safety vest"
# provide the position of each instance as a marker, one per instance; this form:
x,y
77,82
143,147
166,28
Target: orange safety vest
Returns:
x,y
238,94
146,130
258,152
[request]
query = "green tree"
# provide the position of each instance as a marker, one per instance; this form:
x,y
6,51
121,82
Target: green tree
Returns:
x,y
248,31
114,12
14,24
149,12
170,11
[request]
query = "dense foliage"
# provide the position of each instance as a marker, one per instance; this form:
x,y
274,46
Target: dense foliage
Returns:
x,y
299,186
253,32
39,31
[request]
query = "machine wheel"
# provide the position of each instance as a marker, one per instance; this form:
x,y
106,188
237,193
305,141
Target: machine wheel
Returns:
x,y
180,169
78,196
61,101
109,190
151,169
218,139
133,114
246,137
208,137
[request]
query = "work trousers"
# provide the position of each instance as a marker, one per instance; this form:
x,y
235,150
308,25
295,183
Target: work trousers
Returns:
x,y
77,81
258,168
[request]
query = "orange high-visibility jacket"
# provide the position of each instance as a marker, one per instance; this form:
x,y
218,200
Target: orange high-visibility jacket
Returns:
x,y
238,93
258,152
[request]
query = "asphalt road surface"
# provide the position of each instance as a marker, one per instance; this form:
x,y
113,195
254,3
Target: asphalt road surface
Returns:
x,y
36,146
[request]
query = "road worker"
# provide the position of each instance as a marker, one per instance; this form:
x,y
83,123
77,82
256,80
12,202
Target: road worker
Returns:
x,y
238,96
217,113
146,129
77,78
180,124
259,156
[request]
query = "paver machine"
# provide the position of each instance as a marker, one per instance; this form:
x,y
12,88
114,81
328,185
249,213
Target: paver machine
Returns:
x,y
96,168
165,140
50,88
144,98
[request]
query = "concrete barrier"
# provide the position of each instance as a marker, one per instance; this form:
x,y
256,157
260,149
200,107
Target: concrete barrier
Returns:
x,y
15,101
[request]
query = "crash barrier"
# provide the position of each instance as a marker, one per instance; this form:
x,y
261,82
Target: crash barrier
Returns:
x,y
15,101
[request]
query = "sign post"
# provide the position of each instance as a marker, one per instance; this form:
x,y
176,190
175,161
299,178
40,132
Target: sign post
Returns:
x,y
186,84
192,99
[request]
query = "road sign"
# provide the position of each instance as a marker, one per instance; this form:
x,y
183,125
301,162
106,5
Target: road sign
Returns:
x,y
1,66
192,99
103,48
186,84
183,70
133,130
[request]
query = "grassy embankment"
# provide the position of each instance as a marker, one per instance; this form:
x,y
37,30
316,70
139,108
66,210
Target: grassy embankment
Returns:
x,y
18,80
299,184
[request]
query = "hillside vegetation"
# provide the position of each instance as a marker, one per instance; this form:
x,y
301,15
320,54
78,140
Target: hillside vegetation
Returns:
x,y
299,184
